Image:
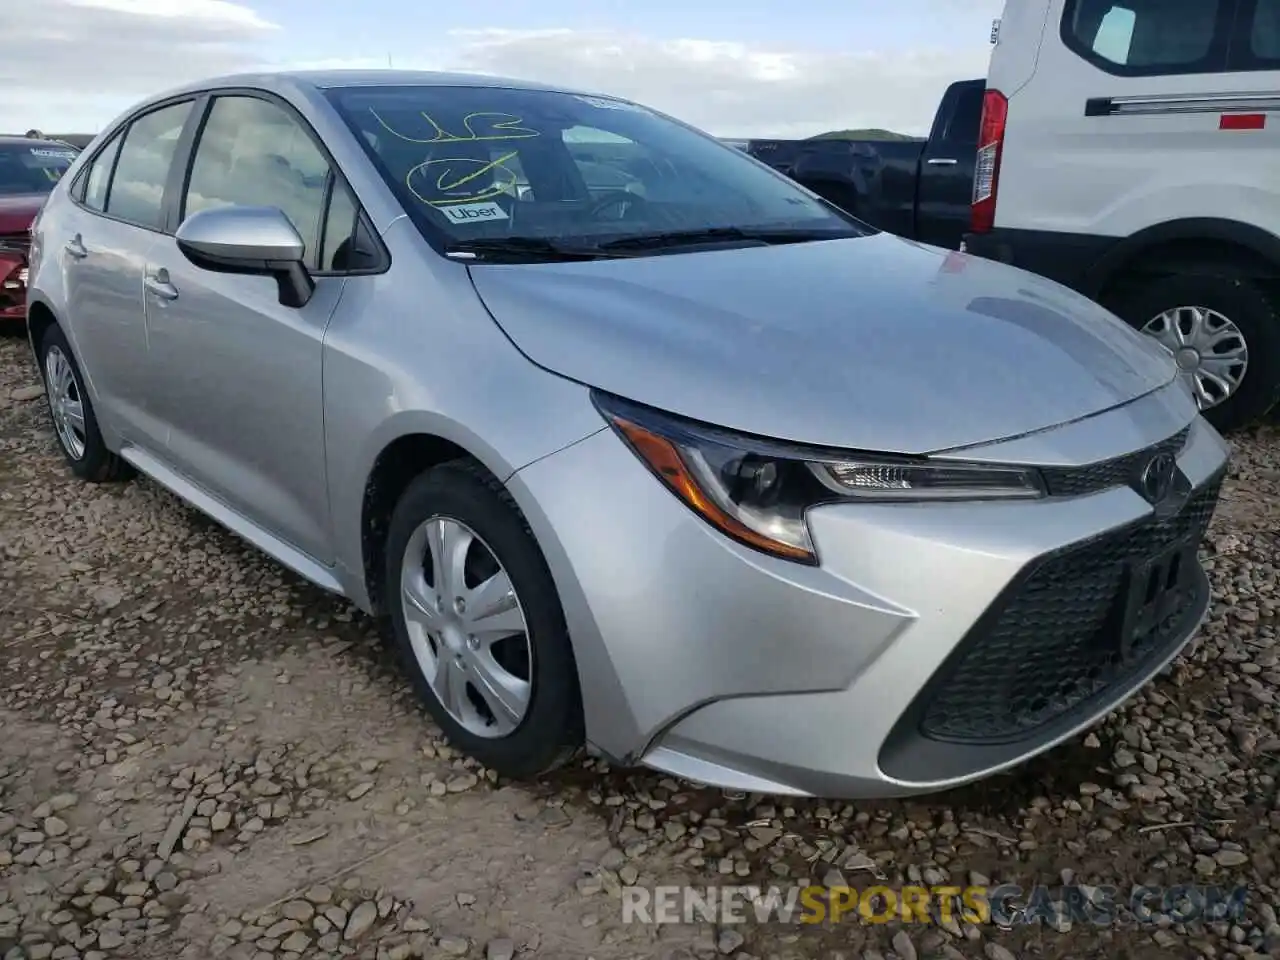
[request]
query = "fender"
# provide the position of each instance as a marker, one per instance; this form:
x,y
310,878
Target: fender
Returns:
x,y
38,297
1264,244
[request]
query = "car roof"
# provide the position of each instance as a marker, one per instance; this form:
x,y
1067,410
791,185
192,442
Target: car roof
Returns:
x,y
281,81
294,82
9,140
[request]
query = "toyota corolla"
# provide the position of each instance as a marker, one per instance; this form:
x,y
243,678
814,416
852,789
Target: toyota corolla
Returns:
x,y
631,442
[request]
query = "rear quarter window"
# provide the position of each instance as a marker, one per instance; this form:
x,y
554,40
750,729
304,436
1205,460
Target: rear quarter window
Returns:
x,y
1144,38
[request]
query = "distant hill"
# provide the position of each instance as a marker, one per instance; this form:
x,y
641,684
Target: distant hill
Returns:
x,y
871,134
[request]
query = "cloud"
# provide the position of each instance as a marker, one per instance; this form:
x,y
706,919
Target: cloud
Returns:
x,y
122,50
119,50
730,89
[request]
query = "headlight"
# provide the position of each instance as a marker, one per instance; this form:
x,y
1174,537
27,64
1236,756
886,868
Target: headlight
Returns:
x,y
757,491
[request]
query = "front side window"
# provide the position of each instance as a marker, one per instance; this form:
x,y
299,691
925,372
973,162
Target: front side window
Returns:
x,y
1147,37
32,168
481,162
136,193
337,254
251,152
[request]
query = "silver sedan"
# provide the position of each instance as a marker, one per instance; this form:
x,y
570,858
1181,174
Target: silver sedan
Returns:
x,y
631,442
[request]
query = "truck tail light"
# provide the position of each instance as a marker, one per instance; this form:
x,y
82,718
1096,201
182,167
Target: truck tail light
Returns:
x,y
986,176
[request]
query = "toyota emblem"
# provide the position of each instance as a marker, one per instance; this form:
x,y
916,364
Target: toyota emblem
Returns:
x,y
1157,477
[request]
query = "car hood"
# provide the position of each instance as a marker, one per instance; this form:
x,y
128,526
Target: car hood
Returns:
x,y
17,212
869,343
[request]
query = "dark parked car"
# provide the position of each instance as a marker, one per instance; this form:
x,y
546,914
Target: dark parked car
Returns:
x,y
919,189
28,171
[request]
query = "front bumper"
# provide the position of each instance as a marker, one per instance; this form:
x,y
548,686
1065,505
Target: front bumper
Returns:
x,y
13,288
710,661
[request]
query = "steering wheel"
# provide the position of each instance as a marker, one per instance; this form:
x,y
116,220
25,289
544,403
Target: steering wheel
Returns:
x,y
624,200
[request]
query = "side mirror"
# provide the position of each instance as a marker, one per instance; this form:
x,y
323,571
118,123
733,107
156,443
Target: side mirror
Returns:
x,y
249,240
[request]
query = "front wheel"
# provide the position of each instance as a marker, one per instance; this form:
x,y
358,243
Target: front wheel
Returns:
x,y
479,627
1224,335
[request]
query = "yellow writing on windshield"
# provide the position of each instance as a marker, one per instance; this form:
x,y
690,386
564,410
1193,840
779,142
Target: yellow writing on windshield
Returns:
x,y
481,125
437,182
53,173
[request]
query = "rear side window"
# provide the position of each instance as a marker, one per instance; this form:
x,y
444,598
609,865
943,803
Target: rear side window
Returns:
x,y
966,118
137,188
1150,37
1256,44
1264,38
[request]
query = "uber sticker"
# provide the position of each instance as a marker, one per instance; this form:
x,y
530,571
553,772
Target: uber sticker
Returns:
x,y
473,212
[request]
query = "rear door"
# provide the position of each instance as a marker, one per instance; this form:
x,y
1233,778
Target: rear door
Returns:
x,y
1140,112
945,190
114,224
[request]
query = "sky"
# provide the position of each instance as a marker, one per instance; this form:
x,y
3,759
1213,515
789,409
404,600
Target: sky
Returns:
x,y
736,68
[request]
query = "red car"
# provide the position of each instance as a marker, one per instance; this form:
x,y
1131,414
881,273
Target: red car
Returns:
x,y
28,171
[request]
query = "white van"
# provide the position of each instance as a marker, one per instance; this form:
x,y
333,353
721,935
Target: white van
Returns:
x,y
1131,150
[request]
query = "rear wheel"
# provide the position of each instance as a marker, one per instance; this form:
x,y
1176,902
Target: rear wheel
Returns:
x,y
1224,335
478,624
74,423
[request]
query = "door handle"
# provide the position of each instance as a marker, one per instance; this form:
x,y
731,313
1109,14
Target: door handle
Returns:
x,y
75,248
158,284
943,162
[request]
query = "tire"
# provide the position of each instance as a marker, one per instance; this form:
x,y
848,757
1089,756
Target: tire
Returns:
x,y
1242,302
90,459
550,731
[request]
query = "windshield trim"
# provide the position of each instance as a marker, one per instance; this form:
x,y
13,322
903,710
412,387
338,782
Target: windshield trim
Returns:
x,y
441,241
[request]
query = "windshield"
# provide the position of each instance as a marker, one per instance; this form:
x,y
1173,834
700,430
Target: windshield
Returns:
x,y
494,164
32,167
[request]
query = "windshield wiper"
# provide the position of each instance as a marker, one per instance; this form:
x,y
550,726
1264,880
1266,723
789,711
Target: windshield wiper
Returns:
x,y
538,248
687,238
546,249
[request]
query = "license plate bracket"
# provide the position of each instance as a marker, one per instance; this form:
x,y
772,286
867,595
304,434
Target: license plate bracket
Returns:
x,y
1158,587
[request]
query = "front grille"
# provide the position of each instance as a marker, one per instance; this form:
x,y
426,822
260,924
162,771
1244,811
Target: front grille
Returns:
x,y
1049,645
16,241
1119,472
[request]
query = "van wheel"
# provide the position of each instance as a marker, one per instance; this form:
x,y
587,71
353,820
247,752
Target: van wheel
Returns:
x,y
1224,334
478,624
74,422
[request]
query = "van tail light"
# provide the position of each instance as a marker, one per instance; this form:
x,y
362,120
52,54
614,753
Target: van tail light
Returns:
x,y
986,176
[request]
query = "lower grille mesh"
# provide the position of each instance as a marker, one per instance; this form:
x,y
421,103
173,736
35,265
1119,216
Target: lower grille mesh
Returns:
x,y
1050,644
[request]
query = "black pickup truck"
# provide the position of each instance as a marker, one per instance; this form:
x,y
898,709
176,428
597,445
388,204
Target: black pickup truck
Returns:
x,y
920,189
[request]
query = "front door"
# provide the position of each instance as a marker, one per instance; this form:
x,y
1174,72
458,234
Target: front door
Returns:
x,y
239,375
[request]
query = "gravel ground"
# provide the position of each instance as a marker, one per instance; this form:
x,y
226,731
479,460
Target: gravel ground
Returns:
x,y
203,756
